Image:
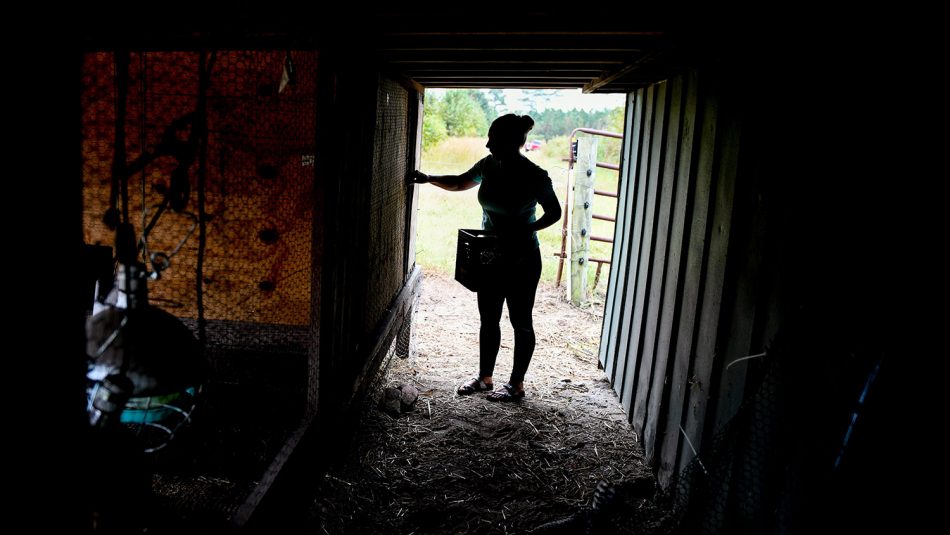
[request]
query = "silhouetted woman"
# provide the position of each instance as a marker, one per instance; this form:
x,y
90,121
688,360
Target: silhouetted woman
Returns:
x,y
511,188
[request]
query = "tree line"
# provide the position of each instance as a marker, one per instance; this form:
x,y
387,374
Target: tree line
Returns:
x,y
469,112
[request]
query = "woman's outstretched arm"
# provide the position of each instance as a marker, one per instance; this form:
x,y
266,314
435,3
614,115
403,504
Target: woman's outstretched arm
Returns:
x,y
447,182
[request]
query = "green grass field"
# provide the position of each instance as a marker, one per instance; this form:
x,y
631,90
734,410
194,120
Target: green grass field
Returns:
x,y
442,213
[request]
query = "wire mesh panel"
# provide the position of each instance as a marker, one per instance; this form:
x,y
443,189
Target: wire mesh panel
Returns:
x,y
731,487
258,187
780,464
387,217
249,182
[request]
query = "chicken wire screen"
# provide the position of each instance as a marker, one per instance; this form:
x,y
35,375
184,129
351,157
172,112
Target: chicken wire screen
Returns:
x,y
803,451
258,179
387,217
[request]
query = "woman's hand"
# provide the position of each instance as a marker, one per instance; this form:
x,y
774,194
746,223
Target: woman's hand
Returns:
x,y
418,177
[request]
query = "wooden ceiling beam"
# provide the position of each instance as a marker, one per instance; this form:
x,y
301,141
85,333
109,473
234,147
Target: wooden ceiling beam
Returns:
x,y
463,21
500,70
620,73
507,56
496,76
509,83
548,33
488,84
602,43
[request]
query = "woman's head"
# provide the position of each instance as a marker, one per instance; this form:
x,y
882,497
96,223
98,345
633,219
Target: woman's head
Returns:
x,y
508,134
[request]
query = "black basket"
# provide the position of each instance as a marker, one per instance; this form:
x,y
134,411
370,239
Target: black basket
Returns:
x,y
477,259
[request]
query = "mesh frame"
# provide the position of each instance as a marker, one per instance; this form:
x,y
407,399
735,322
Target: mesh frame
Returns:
x,y
387,209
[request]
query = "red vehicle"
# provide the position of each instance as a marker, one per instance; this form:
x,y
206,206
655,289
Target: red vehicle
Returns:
x,y
534,144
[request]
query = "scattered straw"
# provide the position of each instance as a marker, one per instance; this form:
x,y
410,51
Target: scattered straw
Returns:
x,y
454,470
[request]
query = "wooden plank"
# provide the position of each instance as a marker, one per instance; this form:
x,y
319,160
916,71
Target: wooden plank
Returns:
x,y
523,42
748,250
707,342
501,65
383,334
543,72
647,238
633,248
615,290
667,183
580,219
250,505
564,55
465,79
631,136
416,114
540,84
411,85
346,232
554,22
321,169
674,268
511,77
771,296
356,210
706,124
621,72
325,186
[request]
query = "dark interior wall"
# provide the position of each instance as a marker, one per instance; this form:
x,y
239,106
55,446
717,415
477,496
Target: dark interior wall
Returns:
x,y
260,166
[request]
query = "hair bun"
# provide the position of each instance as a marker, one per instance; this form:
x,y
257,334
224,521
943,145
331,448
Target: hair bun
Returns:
x,y
527,123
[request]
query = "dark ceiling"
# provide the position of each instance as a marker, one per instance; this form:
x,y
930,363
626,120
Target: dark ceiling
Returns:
x,y
548,52
597,49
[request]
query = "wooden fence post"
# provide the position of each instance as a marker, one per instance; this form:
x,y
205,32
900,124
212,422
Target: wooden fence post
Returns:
x,y
581,218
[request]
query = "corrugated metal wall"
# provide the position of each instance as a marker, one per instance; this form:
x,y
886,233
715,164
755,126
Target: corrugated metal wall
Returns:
x,y
685,295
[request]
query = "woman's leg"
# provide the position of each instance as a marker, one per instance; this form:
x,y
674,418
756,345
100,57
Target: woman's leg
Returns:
x,y
520,306
489,335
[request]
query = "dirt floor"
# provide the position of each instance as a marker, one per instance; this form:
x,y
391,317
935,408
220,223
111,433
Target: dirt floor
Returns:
x,y
461,464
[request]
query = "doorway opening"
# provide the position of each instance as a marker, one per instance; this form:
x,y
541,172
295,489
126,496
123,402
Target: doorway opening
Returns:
x,y
459,463
454,134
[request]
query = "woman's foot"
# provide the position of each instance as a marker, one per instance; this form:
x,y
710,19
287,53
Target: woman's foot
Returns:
x,y
507,392
474,385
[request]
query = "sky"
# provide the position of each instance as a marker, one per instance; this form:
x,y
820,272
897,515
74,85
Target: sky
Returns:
x,y
562,99
566,99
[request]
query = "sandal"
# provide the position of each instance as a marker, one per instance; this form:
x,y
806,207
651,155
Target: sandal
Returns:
x,y
474,385
507,392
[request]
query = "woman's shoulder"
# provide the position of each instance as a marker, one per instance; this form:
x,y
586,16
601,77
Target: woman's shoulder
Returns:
x,y
488,163
532,169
